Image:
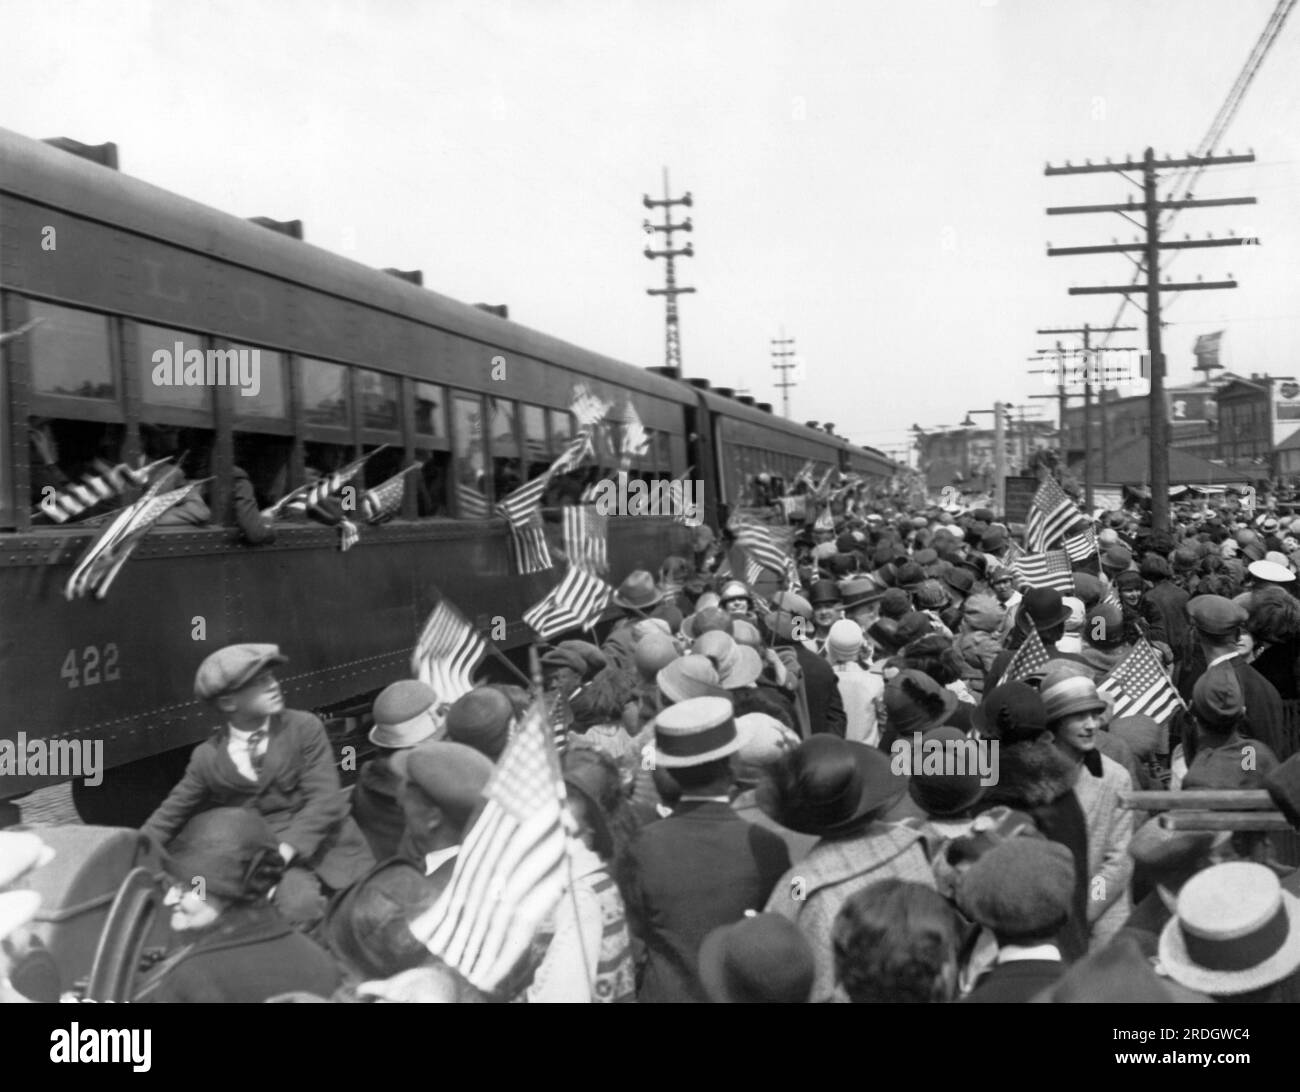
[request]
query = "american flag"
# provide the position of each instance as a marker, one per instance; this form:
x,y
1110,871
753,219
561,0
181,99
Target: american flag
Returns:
x,y
1140,687
306,498
512,866
589,409
823,489
110,481
635,438
524,503
1030,658
573,456
471,503
760,543
753,571
446,653
586,536
1051,514
1082,548
805,476
385,500
576,602
532,554
1047,570
112,547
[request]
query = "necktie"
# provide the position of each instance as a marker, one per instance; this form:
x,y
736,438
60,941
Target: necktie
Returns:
x,y
255,755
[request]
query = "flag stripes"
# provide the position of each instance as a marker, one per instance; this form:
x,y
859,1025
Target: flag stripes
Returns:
x,y
586,537
76,498
471,503
1047,570
510,871
1030,659
759,543
385,500
575,603
531,552
1051,514
113,546
1139,686
446,652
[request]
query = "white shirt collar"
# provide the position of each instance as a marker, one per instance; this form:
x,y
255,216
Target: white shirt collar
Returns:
x,y
242,736
1016,953
439,857
1221,659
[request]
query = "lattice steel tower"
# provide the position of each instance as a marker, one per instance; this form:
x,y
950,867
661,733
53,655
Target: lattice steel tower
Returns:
x,y
670,291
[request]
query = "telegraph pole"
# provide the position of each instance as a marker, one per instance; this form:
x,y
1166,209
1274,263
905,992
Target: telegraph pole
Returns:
x,y
1092,374
670,291
783,349
1150,208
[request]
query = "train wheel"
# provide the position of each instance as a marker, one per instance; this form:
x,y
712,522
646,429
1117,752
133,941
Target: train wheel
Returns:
x,y
128,794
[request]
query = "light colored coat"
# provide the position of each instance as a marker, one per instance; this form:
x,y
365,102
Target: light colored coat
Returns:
x,y
1110,868
812,892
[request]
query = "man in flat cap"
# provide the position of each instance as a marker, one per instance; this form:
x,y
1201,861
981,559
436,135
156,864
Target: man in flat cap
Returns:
x,y
278,762
1217,624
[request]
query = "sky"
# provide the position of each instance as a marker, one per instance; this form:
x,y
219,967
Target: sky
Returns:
x,y
867,175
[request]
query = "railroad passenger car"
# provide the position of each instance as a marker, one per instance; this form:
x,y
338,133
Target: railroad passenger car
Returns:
x,y
351,359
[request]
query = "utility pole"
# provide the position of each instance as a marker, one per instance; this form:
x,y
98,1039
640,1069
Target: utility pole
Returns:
x,y
999,460
781,352
670,291
1151,207
1092,374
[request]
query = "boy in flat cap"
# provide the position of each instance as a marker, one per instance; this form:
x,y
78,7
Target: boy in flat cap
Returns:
x,y
278,762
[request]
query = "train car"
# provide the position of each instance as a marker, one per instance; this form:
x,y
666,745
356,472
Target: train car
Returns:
x,y
103,276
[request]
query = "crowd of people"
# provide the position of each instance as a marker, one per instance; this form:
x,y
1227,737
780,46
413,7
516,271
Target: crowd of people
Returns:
x,y
743,829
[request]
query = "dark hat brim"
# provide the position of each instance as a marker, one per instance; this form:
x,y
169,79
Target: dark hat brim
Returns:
x,y
881,790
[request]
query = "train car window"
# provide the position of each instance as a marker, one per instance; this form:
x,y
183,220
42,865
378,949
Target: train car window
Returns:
x,y
379,400
507,468
71,352
265,459
269,384
536,449
431,482
472,484
430,410
325,394
561,429
175,368
61,452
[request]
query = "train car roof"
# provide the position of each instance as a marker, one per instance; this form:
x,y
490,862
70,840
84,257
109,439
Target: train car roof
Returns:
x,y
47,175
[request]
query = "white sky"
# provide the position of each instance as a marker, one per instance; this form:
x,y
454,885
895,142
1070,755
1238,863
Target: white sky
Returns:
x,y
866,174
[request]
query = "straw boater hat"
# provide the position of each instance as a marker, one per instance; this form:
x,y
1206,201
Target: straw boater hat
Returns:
x,y
1236,930
696,731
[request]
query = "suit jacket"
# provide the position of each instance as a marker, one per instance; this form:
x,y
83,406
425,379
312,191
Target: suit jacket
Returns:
x,y
1265,717
297,793
1015,982
250,954
701,867
822,687
1167,614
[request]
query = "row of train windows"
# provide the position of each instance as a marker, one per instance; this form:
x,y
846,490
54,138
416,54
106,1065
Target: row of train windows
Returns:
x,y
72,358
782,469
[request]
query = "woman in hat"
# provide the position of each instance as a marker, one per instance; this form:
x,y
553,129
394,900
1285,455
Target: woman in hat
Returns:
x,y
860,688
1076,718
405,714
225,864
588,951
606,719
841,792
